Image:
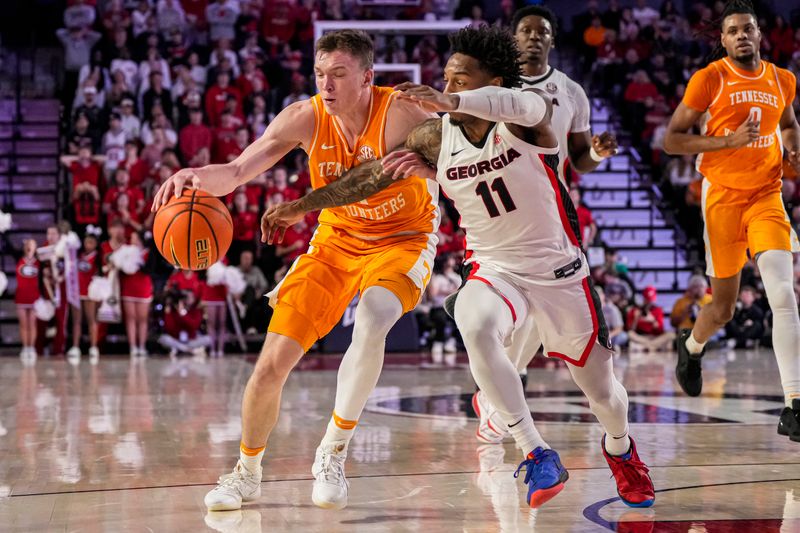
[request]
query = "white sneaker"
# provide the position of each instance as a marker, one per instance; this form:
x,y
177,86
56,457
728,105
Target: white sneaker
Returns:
x,y
74,356
234,488
437,353
30,356
94,355
134,352
199,352
490,429
450,359
330,485
450,345
143,352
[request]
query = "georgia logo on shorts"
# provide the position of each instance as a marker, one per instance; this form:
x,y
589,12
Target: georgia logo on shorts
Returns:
x,y
551,87
366,153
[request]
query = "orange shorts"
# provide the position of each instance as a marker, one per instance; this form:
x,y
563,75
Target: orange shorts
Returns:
x,y
738,221
321,283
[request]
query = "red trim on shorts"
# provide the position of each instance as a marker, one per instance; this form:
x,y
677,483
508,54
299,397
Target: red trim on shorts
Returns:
x,y
489,283
560,202
595,331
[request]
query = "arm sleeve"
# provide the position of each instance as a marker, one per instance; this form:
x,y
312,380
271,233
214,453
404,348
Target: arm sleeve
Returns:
x,y
498,104
581,117
702,89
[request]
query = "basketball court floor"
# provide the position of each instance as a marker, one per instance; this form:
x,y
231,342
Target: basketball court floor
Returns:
x,y
128,446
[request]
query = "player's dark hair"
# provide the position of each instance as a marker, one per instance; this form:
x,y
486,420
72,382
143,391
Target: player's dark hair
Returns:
x,y
733,7
537,11
494,48
355,42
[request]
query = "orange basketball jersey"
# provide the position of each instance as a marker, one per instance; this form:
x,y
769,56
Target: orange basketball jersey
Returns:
x,y
407,206
727,96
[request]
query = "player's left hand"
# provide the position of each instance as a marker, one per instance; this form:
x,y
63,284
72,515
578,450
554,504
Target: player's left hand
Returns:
x,y
605,144
427,97
794,159
404,163
277,218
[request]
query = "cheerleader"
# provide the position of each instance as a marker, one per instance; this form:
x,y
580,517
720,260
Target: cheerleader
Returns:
x,y
214,300
89,260
136,291
27,293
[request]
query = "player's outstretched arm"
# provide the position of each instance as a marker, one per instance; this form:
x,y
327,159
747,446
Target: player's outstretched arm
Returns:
x,y
356,184
293,127
678,140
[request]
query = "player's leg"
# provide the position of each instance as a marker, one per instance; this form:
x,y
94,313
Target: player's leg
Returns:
x,y
129,311
90,312
24,330
485,321
33,330
74,353
142,322
393,278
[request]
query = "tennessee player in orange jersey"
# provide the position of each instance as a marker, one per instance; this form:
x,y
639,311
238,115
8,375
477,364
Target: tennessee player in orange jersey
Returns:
x,y
743,105
382,247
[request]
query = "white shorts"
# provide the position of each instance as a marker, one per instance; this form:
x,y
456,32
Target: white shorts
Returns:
x,y
567,316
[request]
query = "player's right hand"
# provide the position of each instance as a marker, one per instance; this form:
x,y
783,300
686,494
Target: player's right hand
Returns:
x,y
404,163
746,133
186,177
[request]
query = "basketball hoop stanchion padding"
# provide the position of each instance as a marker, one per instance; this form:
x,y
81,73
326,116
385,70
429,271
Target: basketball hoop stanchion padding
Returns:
x,y
392,27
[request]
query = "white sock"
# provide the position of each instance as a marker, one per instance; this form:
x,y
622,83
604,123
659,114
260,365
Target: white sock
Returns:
x,y
526,435
617,445
251,461
777,274
693,346
339,431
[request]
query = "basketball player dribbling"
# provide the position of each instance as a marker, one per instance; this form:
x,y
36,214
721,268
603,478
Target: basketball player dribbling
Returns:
x,y
381,247
534,29
493,151
743,105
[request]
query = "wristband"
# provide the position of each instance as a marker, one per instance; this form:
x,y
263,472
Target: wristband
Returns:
x,y
595,156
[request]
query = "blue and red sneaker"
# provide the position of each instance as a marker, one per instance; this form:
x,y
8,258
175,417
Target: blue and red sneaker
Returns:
x,y
544,475
634,486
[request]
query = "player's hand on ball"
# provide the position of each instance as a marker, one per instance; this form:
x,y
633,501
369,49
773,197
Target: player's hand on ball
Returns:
x,y
605,144
184,178
404,163
427,97
277,218
746,133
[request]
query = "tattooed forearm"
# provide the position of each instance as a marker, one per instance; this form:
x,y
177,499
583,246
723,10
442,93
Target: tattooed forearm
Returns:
x,y
355,185
361,182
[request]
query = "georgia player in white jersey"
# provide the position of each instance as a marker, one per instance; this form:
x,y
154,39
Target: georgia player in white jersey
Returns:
x,y
534,30
496,156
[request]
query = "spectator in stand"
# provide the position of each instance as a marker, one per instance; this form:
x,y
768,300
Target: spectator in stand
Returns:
x,y
628,27
221,17
641,88
245,81
644,14
297,92
92,110
445,281
114,144
594,35
79,15
182,320
245,225
614,322
170,16
122,186
280,185
781,37
185,280
687,307
612,16
118,91
89,266
223,58
645,324
159,120
136,167
123,210
224,141
747,326
27,292
86,184
195,140
152,152
278,21
80,135
586,223
123,63
217,96
131,124
156,94
253,297
116,17
295,242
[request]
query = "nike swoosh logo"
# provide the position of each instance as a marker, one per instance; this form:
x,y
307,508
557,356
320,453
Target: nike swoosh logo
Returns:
x,y
734,82
515,423
326,147
456,153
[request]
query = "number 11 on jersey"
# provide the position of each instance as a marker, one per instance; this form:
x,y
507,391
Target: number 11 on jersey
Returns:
x,y
485,192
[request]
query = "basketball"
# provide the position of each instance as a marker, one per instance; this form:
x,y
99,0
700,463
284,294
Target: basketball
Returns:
x,y
193,231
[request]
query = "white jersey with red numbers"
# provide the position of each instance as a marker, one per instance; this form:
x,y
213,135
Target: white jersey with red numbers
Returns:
x,y
571,110
516,213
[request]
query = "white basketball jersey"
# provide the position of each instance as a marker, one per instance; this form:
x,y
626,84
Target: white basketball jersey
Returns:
x,y
516,213
571,111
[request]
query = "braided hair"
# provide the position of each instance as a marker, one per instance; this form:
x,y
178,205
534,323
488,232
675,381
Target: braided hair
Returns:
x,y
494,48
733,7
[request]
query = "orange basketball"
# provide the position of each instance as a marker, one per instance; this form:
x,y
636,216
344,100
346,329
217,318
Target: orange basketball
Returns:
x,y
194,231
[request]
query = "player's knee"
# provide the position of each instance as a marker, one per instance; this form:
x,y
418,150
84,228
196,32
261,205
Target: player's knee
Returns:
x,y
781,296
723,311
271,369
377,311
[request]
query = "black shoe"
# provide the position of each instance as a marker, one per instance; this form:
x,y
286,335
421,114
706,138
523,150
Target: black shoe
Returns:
x,y
789,424
688,370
